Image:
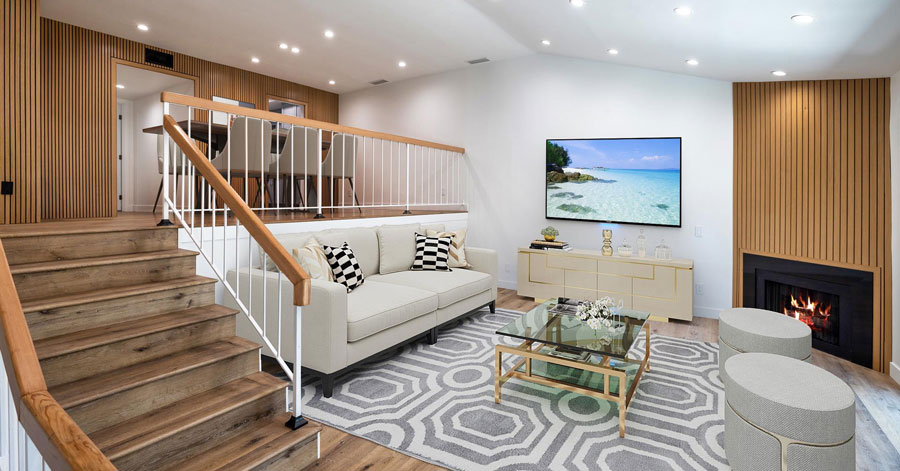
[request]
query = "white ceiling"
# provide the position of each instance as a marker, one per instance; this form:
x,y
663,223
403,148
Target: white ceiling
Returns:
x,y
734,40
141,82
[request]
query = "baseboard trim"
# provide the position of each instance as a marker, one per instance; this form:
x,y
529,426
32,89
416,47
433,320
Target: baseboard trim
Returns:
x,y
895,372
506,284
710,312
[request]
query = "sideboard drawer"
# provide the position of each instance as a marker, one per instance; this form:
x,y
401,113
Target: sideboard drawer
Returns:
x,y
614,283
580,279
541,272
567,262
581,294
637,270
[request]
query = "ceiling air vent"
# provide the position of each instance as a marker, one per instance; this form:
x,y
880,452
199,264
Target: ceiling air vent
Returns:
x,y
478,61
378,82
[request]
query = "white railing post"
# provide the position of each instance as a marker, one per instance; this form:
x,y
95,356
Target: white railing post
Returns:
x,y
296,421
165,221
407,211
318,156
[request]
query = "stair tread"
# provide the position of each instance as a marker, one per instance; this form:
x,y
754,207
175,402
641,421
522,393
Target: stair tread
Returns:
x,y
112,293
89,389
57,265
84,339
125,438
252,447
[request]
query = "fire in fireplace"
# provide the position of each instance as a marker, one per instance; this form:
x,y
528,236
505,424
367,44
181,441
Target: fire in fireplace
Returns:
x,y
813,308
835,302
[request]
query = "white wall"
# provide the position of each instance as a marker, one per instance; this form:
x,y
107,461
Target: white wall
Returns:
x,y
502,113
141,171
895,221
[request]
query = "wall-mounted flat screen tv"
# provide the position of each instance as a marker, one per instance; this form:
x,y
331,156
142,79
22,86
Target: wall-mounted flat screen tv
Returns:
x,y
620,180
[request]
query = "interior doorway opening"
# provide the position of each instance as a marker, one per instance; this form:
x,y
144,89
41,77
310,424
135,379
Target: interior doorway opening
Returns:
x,y
139,172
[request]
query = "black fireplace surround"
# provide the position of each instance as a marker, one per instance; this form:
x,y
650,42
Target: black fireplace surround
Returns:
x,y
835,302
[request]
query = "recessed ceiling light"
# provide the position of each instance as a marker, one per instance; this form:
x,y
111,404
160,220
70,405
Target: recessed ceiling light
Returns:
x,y
577,3
143,27
329,33
255,60
802,19
612,52
295,50
692,62
779,73
283,46
683,11
120,86
545,42
401,64
331,82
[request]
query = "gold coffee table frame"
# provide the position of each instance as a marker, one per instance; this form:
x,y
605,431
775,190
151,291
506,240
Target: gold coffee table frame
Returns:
x,y
528,352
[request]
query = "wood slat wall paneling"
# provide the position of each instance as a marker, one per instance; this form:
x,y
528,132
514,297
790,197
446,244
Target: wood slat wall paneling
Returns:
x,y
19,133
78,113
811,182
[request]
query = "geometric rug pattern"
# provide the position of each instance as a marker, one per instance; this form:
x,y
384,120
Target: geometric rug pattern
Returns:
x,y
436,402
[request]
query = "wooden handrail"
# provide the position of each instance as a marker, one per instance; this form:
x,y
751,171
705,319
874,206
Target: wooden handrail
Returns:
x,y
256,228
179,99
62,443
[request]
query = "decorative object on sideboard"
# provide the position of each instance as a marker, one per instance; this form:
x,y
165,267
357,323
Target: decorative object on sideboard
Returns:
x,y
607,243
663,251
624,250
548,245
549,233
641,245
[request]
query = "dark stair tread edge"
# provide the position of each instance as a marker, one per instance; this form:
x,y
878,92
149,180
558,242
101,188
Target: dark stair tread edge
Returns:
x,y
89,389
20,232
107,294
64,344
125,438
60,265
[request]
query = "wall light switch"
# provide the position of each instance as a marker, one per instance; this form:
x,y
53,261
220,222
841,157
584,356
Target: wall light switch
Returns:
x,y
698,231
699,289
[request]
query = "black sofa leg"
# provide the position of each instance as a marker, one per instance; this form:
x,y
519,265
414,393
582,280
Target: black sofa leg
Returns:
x,y
493,306
327,385
432,336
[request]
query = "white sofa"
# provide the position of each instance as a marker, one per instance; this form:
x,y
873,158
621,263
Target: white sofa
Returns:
x,y
393,306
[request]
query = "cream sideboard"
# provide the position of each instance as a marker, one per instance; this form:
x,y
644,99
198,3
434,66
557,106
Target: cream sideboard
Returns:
x,y
664,288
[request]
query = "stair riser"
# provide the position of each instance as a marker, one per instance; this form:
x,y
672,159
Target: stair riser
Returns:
x,y
58,321
167,453
32,286
124,405
98,360
296,457
49,248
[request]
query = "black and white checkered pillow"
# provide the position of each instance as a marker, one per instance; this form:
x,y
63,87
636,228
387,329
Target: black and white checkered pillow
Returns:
x,y
432,253
344,266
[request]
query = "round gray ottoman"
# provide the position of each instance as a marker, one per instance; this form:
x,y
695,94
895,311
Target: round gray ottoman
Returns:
x,y
743,330
783,413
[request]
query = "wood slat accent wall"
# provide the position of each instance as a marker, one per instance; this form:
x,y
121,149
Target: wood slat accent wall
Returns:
x,y
78,112
19,134
812,181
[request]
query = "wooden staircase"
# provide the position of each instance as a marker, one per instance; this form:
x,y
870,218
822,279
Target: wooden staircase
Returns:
x,y
134,348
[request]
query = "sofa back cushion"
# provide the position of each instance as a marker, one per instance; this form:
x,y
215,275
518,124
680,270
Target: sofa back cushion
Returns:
x,y
396,247
290,242
362,240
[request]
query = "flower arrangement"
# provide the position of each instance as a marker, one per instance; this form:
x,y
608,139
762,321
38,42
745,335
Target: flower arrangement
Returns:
x,y
549,233
598,314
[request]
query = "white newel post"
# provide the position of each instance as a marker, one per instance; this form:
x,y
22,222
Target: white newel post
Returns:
x,y
297,420
319,214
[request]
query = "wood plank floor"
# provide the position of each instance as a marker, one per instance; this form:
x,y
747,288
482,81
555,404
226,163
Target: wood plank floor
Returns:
x,y
877,408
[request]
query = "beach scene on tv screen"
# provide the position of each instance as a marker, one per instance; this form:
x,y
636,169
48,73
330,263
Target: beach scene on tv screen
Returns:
x,y
619,180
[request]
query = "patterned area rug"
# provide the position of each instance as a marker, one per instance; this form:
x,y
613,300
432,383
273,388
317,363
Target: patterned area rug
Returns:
x,y
436,402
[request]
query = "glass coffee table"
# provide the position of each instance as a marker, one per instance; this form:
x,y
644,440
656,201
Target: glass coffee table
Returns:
x,y
561,351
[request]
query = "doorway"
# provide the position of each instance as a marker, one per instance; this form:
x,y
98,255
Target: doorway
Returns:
x,y
138,107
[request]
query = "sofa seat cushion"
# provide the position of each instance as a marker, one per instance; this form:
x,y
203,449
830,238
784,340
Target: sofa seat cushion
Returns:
x,y
450,286
374,307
